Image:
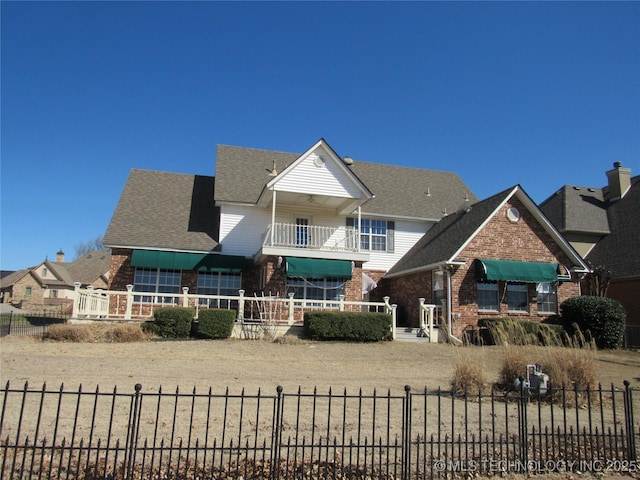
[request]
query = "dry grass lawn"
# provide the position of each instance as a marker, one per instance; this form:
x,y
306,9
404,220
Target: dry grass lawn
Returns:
x,y
257,364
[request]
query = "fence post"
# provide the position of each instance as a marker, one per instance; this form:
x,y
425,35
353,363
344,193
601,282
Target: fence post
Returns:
x,y
129,308
406,434
629,422
10,320
277,433
185,299
241,305
132,433
291,318
523,428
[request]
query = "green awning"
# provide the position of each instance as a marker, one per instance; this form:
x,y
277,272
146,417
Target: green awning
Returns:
x,y
317,268
510,271
186,261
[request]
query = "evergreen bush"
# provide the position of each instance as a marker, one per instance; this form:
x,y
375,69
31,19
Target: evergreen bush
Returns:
x,y
601,317
172,322
350,326
213,323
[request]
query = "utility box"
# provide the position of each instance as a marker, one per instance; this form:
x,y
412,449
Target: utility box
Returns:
x,y
534,381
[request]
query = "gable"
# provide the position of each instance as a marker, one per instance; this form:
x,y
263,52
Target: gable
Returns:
x,y
319,172
489,230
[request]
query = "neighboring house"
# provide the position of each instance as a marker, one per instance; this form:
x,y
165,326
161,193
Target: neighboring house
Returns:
x,y
49,286
496,258
603,224
313,224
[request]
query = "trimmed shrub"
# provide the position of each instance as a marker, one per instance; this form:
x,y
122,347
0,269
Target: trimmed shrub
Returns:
x,y
215,323
351,326
172,322
600,317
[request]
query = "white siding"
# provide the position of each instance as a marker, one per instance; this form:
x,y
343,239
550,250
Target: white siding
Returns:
x,y
242,229
406,235
328,179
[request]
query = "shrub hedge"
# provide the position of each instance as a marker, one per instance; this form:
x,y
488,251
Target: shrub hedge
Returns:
x,y
172,322
351,326
215,323
601,317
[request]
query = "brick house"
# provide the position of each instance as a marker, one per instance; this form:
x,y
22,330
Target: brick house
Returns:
x,y
495,258
49,286
313,224
603,224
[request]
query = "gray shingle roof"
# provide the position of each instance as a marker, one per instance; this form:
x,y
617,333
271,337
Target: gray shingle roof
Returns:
x,y
89,267
241,174
577,209
446,237
620,250
166,211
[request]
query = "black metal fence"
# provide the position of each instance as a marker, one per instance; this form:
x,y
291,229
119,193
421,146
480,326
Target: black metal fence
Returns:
x,y
29,324
78,434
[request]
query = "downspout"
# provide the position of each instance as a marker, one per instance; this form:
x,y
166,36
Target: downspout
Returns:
x,y
449,314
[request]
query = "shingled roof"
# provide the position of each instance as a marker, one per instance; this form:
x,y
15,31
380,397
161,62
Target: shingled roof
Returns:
x,y
241,174
166,211
445,238
577,209
619,251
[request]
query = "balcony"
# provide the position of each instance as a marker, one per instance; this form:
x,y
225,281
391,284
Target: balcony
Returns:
x,y
315,241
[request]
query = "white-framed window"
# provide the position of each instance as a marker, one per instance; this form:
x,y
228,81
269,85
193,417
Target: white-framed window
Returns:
x,y
218,283
518,297
53,294
315,288
488,297
547,296
156,280
375,235
437,287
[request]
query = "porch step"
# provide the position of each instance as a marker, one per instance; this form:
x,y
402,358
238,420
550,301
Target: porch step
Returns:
x,y
404,334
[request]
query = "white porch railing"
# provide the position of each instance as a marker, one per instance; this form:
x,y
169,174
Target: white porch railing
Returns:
x,y
130,305
319,237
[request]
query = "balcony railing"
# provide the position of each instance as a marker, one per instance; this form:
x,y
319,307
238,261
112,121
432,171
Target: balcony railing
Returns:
x,y
319,237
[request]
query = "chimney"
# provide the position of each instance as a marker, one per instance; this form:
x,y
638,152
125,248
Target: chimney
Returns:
x,y
60,256
619,181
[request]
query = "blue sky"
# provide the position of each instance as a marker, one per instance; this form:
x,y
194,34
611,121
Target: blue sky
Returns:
x,y
540,94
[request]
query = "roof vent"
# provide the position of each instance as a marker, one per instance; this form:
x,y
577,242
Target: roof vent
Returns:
x,y
347,160
273,172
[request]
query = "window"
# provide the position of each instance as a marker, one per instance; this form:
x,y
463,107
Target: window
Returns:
x,y
315,288
44,272
547,297
437,282
517,297
53,294
376,235
27,292
218,283
488,296
155,280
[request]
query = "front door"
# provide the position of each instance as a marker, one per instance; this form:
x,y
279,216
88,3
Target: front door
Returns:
x,y
302,231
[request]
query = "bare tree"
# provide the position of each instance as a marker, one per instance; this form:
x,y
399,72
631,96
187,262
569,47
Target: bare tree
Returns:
x,y
598,281
94,245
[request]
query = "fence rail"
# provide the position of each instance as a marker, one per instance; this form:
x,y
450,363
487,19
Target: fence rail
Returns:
x,y
423,433
28,324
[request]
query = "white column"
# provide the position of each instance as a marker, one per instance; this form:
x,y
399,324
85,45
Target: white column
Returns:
x,y
127,315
